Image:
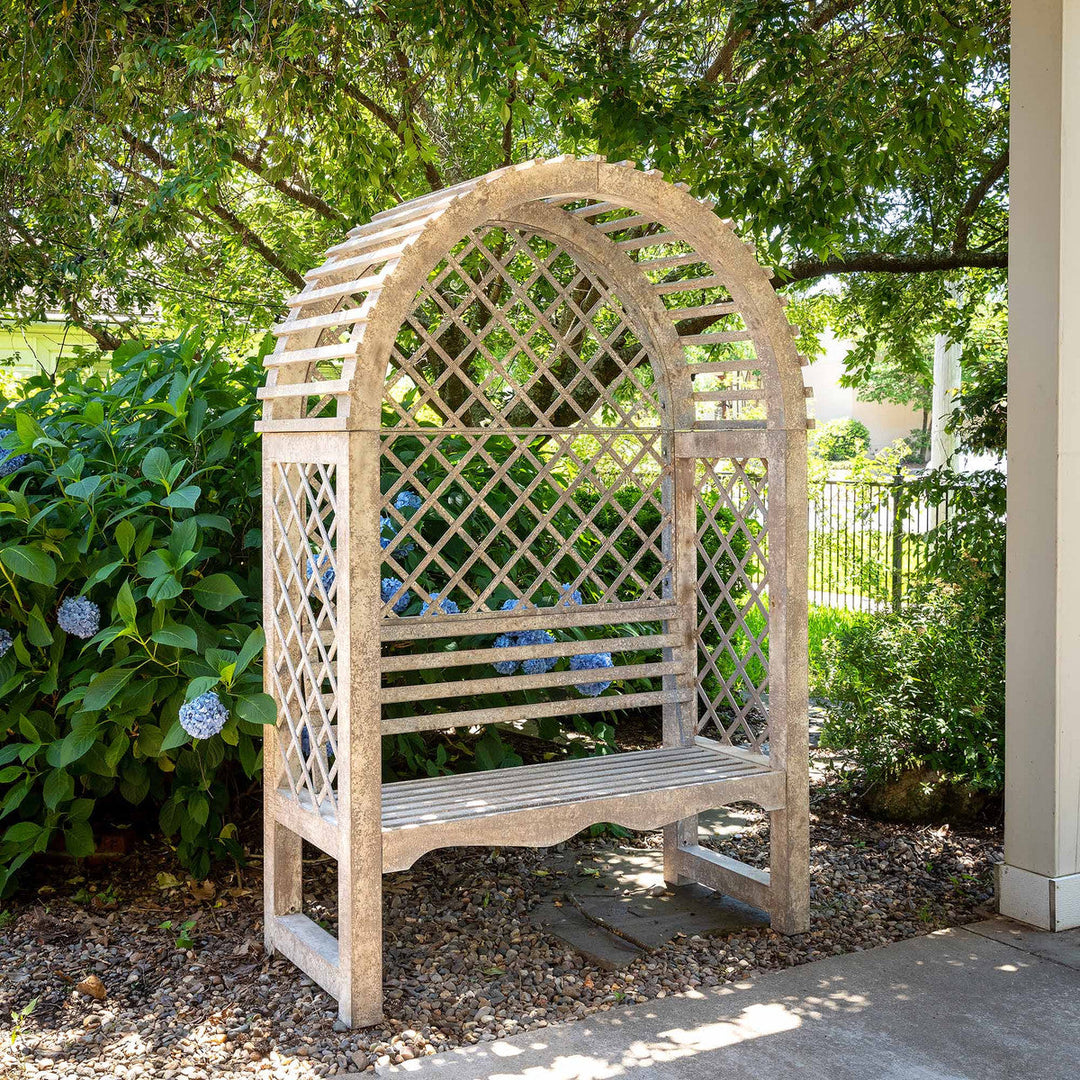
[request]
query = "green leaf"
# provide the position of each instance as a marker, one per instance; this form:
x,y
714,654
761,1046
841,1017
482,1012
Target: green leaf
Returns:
x,y
104,687
37,632
149,741
216,592
74,746
183,537
156,465
199,808
79,840
83,489
102,573
58,788
125,537
164,588
176,636
125,604
184,498
15,796
200,685
174,737
251,648
29,563
155,563
257,709
22,832
81,809
28,428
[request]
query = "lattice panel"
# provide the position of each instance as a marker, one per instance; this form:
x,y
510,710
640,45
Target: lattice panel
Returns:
x,y
728,388
733,609
509,331
303,557
480,519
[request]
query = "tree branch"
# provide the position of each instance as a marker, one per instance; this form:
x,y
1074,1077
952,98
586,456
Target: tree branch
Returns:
x,y
291,191
974,200
725,59
878,262
252,240
248,237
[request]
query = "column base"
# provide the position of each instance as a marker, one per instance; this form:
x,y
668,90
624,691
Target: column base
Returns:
x,y
1050,903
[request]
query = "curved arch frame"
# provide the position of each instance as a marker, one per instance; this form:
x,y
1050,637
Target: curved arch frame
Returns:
x,y
441,220
321,474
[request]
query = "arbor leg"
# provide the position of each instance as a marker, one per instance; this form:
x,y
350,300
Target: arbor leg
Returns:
x,y
680,834
360,998
789,870
282,876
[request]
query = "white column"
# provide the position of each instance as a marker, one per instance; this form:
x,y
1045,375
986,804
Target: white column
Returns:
x,y
1040,881
946,384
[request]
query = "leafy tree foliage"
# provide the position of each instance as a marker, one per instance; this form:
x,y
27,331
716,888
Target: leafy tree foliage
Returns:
x,y
184,160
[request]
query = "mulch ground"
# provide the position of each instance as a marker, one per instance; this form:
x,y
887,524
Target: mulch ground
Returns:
x,y
190,993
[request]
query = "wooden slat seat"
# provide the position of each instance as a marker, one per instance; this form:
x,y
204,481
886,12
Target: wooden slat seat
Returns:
x,y
537,805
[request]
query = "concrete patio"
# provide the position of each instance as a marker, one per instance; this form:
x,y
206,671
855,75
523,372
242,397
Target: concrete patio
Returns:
x,y
993,999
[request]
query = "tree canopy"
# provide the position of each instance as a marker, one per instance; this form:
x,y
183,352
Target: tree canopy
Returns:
x,y
189,160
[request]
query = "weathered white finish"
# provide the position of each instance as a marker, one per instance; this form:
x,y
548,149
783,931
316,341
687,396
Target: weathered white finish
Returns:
x,y
946,385
634,366
1040,880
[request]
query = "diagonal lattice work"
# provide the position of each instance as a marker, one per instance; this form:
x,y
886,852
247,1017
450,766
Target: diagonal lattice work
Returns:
x,y
480,519
510,331
731,497
726,379
304,585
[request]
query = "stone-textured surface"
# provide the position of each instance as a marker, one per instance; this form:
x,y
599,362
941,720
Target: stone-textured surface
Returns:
x,y
951,1006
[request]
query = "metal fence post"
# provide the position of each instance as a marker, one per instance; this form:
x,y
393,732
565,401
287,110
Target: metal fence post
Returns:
x,y
897,542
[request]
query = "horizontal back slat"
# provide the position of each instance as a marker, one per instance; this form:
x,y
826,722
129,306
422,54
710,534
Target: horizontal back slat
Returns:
x,y
512,683
457,658
499,622
514,713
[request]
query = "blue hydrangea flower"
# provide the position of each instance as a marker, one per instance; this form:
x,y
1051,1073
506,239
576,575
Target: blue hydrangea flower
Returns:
x,y
538,665
408,500
203,717
444,607
328,574
591,660
387,532
11,461
305,746
506,641
513,602
6,641
79,616
390,585
568,596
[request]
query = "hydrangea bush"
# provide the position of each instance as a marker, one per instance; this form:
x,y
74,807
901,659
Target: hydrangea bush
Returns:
x,y
129,601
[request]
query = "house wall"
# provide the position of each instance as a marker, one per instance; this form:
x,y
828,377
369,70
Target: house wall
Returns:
x,y
25,350
831,401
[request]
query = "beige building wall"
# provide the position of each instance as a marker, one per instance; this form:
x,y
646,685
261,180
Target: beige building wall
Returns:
x,y
831,401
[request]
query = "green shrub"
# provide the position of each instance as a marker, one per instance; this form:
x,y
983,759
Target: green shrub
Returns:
x,y
841,440
926,687
139,494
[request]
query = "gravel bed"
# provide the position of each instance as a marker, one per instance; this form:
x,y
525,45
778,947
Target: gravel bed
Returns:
x,y
463,961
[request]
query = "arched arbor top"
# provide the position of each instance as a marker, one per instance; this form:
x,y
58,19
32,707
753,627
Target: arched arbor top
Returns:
x,y
705,310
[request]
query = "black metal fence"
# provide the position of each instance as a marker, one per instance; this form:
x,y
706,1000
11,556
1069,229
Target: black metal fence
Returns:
x,y
868,542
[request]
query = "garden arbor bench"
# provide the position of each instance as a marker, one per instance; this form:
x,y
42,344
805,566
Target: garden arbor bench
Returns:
x,y
534,447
